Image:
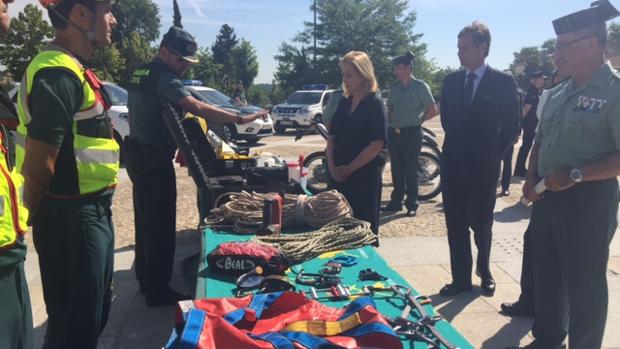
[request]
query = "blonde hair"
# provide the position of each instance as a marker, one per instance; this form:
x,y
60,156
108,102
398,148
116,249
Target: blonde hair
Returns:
x,y
363,65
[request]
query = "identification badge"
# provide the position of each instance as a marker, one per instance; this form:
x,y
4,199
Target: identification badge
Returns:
x,y
589,104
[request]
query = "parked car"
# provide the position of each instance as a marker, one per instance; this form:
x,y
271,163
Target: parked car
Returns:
x,y
301,108
251,132
118,111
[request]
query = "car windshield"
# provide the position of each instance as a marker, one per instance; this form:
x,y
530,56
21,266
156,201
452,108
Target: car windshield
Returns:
x,y
118,95
216,97
304,98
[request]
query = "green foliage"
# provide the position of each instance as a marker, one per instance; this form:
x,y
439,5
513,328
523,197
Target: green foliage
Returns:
x,y
613,38
222,51
176,17
136,16
382,28
29,33
530,60
245,63
258,95
136,51
205,70
108,63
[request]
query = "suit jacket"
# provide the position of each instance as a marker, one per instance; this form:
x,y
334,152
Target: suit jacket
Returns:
x,y
476,139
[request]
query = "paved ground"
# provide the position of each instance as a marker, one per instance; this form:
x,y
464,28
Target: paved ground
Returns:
x,y
416,247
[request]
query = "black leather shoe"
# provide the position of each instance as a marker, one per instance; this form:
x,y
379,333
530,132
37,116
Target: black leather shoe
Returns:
x,y
505,192
391,208
411,213
488,286
517,309
165,297
454,289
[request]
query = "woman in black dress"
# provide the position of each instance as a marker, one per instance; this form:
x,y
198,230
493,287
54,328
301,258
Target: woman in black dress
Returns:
x,y
357,135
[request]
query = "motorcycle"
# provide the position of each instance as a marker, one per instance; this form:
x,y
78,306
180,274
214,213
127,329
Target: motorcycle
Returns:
x,y
429,184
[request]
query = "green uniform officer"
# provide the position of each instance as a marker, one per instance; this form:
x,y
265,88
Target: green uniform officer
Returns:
x,y
16,314
150,150
577,152
69,159
410,103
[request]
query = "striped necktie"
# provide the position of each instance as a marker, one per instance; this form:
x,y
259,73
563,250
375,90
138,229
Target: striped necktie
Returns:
x,y
469,90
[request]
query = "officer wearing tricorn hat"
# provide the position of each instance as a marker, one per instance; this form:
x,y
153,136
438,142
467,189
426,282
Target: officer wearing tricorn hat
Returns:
x,y
150,150
409,104
577,153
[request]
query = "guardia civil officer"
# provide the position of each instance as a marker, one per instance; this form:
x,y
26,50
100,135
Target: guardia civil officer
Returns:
x,y
577,153
410,103
69,159
16,314
150,151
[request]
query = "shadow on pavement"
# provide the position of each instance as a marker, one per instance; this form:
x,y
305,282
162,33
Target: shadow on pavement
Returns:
x,y
512,213
510,334
452,306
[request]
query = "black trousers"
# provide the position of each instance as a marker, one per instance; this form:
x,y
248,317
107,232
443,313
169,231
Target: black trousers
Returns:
x,y
404,151
468,205
529,132
154,202
75,243
571,233
16,316
507,168
363,192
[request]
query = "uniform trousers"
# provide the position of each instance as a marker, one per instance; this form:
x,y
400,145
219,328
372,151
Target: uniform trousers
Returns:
x,y
404,148
571,233
74,239
16,315
154,200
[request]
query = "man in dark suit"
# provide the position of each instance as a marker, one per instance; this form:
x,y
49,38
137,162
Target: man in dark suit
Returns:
x,y
480,117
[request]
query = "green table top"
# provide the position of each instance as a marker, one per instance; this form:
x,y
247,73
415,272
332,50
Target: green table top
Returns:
x,y
212,285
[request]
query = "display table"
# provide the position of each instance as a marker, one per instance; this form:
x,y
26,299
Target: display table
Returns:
x,y
212,285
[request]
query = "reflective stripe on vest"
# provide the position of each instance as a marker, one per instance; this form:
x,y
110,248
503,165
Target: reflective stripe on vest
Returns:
x,y
13,214
96,157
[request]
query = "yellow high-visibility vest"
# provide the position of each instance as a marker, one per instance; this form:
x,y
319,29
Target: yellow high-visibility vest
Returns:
x,y
96,156
13,214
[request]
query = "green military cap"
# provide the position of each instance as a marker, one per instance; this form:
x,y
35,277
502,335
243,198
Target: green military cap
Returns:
x,y
406,59
599,12
182,43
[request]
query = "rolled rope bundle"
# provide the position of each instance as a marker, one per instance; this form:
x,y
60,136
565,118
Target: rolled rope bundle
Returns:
x,y
342,234
245,210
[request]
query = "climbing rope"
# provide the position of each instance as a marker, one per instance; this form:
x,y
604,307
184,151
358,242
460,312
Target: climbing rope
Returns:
x,y
245,210
342,234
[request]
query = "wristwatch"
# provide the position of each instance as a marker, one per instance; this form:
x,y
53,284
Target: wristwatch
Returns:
x,y
576,175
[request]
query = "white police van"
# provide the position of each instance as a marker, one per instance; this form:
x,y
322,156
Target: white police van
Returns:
x,y
301,107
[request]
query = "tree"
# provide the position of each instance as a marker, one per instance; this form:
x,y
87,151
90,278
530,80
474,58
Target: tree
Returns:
x,y
294,69
205,70
245,63
108,62
136,51
28,34
136,16
382,28
176,17
225,41
530,60
613,38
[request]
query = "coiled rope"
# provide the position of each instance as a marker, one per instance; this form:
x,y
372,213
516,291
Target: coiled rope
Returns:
x,y
342,234
245,210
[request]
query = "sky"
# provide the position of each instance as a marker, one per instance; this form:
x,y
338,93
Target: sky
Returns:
x,y
267,23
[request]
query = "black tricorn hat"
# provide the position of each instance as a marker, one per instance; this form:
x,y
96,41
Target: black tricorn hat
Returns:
x,y
406,59
600,12
182,43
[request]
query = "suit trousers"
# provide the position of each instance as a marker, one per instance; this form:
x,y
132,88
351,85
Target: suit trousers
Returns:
x,y
507,168
468,205
404,151
16,316
154,202
571,233
529,132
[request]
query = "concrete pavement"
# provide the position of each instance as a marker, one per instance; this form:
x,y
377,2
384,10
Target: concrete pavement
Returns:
x,y
424,263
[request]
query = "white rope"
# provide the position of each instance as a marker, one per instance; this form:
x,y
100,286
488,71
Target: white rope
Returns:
x,y
244,211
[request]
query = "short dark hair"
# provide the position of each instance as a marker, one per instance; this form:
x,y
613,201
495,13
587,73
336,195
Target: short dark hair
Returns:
x,y
59,14
480,34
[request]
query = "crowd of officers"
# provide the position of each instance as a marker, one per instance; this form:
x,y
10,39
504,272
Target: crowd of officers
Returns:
x,y
59,170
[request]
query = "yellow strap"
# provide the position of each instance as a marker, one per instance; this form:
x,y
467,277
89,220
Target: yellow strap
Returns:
x,y
324,328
